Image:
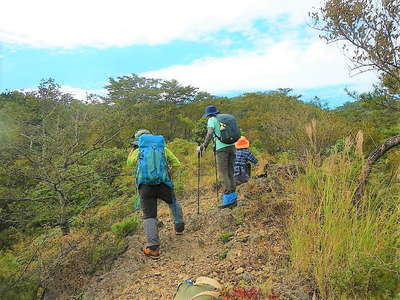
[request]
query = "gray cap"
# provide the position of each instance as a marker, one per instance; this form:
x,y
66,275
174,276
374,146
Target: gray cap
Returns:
x,y
138,133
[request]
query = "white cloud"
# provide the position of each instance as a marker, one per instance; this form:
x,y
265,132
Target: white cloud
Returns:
x,y
74,23
77,93
289,63
81,94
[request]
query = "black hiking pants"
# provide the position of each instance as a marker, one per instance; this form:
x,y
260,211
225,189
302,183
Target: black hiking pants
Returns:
x,y
148,197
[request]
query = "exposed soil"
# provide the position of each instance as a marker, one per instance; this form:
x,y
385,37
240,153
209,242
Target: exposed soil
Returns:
x,y
244,246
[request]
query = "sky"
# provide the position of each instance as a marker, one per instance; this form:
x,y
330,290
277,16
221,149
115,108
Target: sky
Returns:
x,y
223,47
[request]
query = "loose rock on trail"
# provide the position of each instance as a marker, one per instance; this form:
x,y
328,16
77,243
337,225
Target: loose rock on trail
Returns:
x,y
244,246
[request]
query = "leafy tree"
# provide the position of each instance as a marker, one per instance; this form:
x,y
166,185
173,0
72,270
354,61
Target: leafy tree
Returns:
x,y
45,146
155,104
49,90
133,89
370,30
173,92
200,131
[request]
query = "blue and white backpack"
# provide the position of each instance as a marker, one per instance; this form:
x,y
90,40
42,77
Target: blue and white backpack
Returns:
x,y
152,167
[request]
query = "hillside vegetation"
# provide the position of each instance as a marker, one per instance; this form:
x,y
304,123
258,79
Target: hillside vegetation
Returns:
x,y
66,197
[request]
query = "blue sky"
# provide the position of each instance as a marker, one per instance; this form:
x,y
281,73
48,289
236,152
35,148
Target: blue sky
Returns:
x,y
223,47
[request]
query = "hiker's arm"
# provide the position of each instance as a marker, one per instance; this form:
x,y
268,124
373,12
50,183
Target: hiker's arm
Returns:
x,y
210,134
132,158
173,161
252,158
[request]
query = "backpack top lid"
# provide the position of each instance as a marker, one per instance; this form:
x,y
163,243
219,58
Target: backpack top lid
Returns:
x,y
225,117
149,140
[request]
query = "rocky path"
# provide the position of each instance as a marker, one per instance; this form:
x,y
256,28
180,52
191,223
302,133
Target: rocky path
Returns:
x,y
244,246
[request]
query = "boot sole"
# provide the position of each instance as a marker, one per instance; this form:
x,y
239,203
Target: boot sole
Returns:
x,y
153,257
232,205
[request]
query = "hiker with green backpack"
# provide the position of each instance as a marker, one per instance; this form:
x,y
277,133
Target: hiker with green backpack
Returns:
x,y
154,165
224,131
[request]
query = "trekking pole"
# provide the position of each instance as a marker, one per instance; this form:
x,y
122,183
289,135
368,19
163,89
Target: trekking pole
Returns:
x,y
198,181
216,172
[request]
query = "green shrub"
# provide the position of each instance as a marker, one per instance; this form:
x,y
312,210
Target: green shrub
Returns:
x,y
10,287
99,219
8,237
126,227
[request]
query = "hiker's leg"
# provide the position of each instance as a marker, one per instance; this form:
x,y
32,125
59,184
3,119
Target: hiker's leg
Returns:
x,y
238,180
167,194
149,207
151,231
231,163
222,163
242,177
176,210
225,160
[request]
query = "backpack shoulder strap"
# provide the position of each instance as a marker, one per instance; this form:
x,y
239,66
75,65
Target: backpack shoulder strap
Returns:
x,y
218,137
215,135
214,294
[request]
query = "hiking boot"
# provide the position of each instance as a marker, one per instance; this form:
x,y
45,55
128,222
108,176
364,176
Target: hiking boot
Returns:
x,y
152,253
179,228
229,200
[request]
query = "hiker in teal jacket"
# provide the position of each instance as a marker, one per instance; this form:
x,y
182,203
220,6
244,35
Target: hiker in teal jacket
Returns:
x,y
149,195
225,156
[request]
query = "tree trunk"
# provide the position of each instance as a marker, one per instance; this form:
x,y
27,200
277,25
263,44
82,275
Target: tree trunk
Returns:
x,y
371,159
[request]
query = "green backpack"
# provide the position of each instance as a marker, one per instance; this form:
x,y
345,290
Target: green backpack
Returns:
x,y
230,131
203,288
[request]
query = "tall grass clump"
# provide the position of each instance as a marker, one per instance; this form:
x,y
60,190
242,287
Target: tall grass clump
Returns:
x,y
349,252
126,227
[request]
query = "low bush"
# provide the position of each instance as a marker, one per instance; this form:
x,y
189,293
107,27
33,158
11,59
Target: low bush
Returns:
x,y
13,283
126,227
99,219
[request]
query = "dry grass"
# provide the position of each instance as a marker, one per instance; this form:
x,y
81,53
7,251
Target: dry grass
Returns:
x,y
349,253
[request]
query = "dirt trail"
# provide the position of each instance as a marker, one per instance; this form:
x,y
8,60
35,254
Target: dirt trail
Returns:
x,y
242,246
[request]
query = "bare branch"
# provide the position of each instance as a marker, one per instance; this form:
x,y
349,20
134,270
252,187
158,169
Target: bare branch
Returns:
x,y
371,159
